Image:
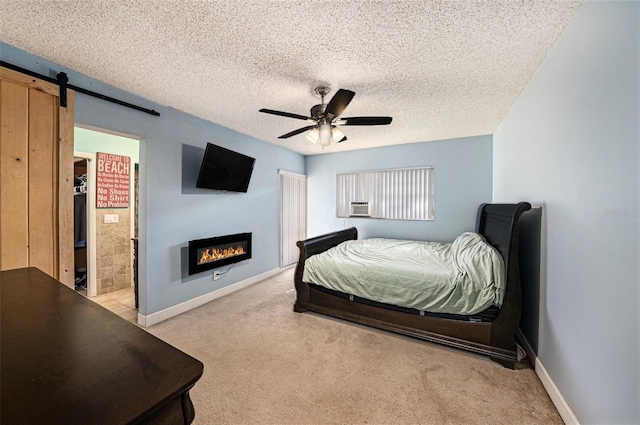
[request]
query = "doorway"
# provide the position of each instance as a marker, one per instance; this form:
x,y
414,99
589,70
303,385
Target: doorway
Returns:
x,y
110,221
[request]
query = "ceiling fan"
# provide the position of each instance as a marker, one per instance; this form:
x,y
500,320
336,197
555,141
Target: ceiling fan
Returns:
x,y
325,118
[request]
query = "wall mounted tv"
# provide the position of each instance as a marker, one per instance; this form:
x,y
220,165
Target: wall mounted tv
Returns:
x,y
224,169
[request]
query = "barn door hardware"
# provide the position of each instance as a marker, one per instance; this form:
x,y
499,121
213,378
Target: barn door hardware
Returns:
x,y
62,80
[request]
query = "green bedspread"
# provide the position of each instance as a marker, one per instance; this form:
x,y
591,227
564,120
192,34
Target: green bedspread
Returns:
x,y
463,277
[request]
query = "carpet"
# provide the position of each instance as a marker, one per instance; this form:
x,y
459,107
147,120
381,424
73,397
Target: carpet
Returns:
x,y
265,364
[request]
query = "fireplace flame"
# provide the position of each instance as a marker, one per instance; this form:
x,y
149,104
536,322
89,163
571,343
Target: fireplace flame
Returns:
x,y
214,254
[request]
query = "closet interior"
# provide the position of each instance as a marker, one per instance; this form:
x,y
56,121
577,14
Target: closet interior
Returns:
x,y
80,223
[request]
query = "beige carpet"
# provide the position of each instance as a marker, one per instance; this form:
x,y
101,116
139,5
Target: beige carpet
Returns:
x,y
265,364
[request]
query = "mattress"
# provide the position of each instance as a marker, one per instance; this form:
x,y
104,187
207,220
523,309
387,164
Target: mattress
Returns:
x,y
464,277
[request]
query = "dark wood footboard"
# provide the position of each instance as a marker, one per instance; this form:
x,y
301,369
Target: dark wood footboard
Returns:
x,y
498,223
311,247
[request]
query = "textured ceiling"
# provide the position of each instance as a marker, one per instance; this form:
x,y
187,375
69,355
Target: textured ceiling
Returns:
x,y
441,69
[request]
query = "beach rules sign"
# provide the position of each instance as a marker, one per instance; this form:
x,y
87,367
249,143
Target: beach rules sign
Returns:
x,y
113,177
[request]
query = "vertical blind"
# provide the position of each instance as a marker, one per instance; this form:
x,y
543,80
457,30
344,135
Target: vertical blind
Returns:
x,y
293,215
398,194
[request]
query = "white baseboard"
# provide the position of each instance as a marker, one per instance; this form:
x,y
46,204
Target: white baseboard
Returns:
x,y
561,405
167,313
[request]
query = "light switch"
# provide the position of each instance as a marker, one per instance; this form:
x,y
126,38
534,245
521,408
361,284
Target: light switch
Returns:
x,y
111,218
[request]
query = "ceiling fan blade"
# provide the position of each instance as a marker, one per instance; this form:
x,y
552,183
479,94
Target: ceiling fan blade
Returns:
x,y
342,140
338,102
298,131
365,121
285,114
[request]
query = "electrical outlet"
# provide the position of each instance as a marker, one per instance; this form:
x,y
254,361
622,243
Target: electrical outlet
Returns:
x,y
216,275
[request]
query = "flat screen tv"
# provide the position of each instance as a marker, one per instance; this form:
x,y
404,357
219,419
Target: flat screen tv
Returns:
x,y
224,169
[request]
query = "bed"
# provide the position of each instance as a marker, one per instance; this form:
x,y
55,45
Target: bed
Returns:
x,y
485,329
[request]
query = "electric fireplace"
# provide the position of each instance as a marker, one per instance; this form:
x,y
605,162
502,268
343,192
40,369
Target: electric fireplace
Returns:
x,y
211,253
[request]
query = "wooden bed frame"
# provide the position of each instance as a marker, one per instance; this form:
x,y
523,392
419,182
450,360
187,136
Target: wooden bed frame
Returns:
x,y
499,224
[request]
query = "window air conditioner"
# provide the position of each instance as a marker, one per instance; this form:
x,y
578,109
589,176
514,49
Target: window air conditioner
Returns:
x,y
359,209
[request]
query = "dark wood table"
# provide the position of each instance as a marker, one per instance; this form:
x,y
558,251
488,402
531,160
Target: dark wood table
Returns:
x,y
67,360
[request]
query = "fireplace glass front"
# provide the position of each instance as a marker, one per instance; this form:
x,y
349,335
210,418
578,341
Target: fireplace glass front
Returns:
x,y
211,253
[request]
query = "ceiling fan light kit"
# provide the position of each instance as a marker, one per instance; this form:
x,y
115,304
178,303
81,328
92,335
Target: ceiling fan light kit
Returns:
x,y
325,134
325,116
337,134
313,135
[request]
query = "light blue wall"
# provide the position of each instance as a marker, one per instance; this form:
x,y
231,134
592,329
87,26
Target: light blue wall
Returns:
x,y
463,181
169,215
572,141
91,141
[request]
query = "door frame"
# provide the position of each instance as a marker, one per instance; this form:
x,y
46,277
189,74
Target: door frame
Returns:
x,y
133,211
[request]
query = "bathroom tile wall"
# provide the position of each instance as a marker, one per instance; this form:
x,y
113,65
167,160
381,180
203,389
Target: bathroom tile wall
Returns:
x,y
114,251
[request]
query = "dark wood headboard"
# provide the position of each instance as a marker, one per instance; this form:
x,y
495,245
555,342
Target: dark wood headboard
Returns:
x,y
498,223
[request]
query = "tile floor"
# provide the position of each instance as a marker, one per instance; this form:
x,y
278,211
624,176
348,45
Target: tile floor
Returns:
x,y
122,302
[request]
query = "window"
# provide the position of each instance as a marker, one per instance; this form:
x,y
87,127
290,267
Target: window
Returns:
x,y
398,194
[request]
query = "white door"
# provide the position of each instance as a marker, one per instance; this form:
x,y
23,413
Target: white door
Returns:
x,y
293,215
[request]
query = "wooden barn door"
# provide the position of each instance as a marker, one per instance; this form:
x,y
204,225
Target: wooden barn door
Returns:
x,y
36,176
